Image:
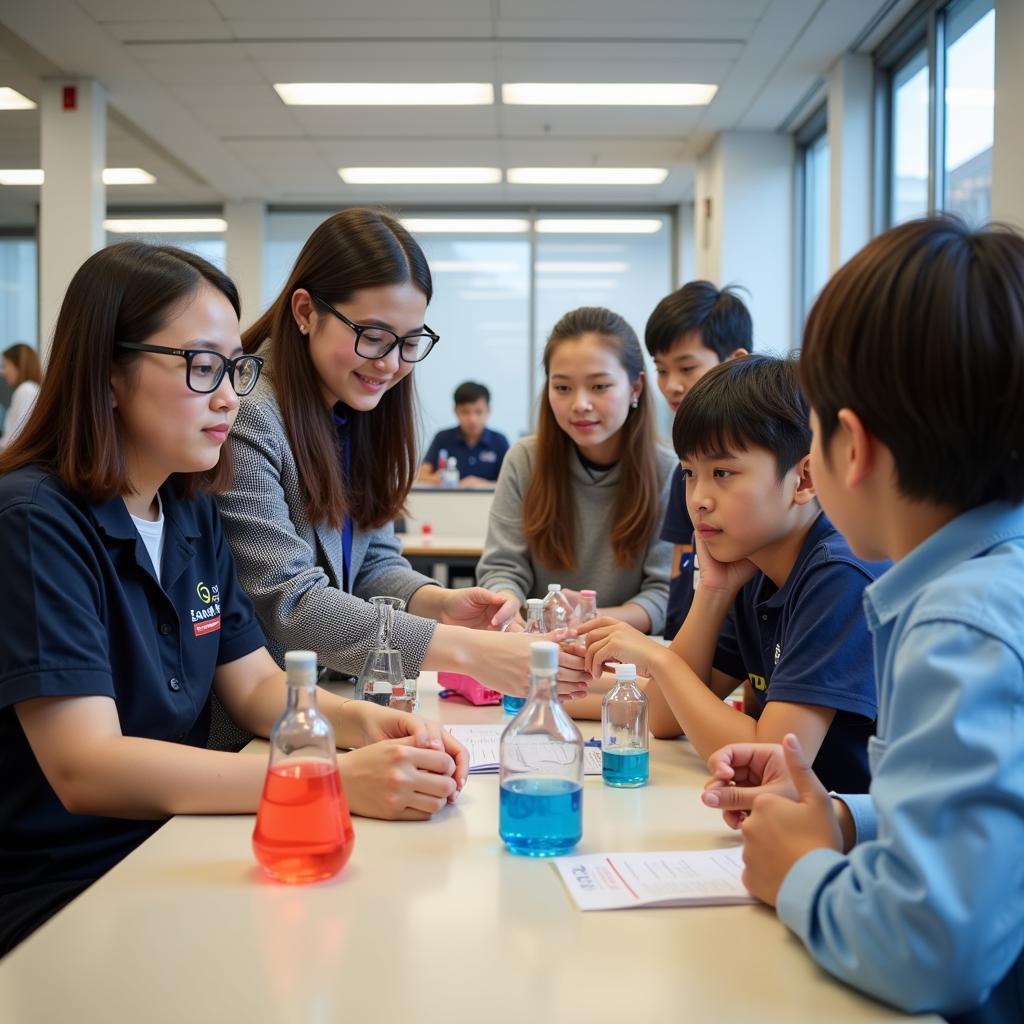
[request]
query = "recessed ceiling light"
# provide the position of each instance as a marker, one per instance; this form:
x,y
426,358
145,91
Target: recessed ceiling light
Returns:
x,y
111,176
581,266
457,226
586,175
618,226
608,94
21,176
11,99
127,176
385,94
163,225
420,175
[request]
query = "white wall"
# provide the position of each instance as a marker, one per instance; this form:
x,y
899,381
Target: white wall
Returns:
x,y
744,214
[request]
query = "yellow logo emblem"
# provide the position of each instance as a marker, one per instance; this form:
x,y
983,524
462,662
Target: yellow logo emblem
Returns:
x,y
758,682
204,592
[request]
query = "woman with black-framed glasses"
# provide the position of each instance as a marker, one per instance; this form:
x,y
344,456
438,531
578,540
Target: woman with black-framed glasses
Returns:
x,y
121,616
325,453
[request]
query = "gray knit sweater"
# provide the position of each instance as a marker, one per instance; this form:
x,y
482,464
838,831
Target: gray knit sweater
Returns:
x,y
508,564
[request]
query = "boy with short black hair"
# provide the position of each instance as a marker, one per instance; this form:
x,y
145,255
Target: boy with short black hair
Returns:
x,y
479,451
913,361
690,332
779,600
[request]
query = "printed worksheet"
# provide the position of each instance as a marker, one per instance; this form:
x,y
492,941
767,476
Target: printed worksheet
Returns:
x,y
619,881
484,742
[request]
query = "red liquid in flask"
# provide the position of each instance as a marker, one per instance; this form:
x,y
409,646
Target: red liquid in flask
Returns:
x,y
303,830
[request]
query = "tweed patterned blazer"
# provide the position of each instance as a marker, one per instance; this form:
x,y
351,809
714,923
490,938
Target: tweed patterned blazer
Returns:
x,y
293,570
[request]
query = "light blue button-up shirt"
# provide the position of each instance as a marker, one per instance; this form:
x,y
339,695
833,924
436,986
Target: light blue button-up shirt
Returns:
x,y
927,911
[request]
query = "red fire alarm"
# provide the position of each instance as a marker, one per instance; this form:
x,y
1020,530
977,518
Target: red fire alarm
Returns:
x,y
70,95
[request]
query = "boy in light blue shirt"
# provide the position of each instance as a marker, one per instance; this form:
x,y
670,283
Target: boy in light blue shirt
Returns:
x,y
913,361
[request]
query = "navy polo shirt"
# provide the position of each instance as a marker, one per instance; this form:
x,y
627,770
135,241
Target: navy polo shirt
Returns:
x,y
81,614
678,529
482,459
808,643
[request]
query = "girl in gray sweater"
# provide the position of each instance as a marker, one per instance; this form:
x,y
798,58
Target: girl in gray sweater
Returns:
x,y
581,502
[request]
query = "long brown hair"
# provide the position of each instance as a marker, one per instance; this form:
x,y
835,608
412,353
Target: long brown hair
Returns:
x,y
351,250
549,517
124,293
24,359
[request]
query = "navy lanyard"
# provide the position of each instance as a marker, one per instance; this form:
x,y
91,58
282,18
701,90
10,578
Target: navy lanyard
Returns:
x,y
341,422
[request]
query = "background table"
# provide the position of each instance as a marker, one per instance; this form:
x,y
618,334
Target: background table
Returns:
x,y
445,557
430,921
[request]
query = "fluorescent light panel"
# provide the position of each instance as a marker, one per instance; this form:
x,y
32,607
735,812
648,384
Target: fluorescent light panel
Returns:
x,y
420,175
164,225
608,94
623,226
457,226
11,99
586,175
386,94
111,176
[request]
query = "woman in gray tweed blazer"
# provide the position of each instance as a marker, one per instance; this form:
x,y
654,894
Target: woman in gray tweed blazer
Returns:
x,y
324,454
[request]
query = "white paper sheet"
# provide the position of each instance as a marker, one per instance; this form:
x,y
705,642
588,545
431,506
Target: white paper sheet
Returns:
x,y
618,881
484,742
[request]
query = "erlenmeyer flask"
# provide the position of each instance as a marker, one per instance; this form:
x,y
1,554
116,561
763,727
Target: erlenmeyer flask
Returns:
x,y
383,677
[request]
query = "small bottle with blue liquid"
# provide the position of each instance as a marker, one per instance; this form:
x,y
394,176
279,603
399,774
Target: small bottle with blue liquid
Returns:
x,y
625,755
541,803
534,624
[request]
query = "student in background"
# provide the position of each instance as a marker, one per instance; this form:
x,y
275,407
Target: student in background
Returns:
x,y
690,332
111,545
23,374
915,893
780,596
580,502
478,449
325,452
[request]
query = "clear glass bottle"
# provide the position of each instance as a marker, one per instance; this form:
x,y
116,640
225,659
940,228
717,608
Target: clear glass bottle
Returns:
x,y
625,756
303,830
450,476
534,624
383,677
541,802
584,612
557,609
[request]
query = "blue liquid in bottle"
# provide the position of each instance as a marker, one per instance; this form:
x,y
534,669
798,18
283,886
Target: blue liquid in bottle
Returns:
x,y
541,817
511,705
626,768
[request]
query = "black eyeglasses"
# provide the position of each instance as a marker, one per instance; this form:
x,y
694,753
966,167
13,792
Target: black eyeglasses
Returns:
x,y
204,370
379,342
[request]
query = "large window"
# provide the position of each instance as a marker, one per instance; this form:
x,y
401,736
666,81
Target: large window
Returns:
x,y
970,78
814,210
937,77
18,291
501,281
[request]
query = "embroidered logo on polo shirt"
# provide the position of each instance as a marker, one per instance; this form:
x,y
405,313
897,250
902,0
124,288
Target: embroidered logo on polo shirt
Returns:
x,y
488,456
778,653
206,620
758,682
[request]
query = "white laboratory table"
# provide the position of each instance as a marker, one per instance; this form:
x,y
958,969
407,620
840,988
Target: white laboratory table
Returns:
x,y
428,922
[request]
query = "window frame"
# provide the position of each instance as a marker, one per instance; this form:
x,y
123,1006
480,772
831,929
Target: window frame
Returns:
x,y
806,137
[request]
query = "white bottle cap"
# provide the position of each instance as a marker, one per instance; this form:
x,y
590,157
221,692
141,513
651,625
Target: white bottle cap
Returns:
x,y
543,656
453,461
625,673
534,602
554,587
300,659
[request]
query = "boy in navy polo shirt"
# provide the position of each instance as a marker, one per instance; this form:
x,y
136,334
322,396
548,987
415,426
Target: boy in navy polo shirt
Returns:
x,y
913,359
690,332
479,450
779,598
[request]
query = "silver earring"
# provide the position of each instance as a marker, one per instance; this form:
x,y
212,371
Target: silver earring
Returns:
x,y
302,328
636,403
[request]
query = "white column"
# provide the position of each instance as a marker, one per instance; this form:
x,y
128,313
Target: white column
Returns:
x,y
850,103
686,255
244,243
72,204
744,227
1008,147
